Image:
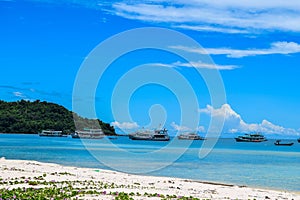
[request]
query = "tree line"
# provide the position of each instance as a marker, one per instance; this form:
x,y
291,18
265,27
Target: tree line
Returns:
x,y
32,117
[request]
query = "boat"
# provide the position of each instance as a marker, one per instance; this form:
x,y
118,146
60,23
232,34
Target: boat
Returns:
x,y
156,135
88,134
50,133
255,137
190,136
277,143
161,135
141,135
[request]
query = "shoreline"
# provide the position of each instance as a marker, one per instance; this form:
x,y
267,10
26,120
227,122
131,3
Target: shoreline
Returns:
x,y
202,181
107,184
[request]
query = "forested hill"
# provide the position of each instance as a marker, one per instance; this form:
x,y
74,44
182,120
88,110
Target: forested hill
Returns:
x,y
33,117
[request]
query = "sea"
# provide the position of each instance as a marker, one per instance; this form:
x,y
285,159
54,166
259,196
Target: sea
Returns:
x,y
261,165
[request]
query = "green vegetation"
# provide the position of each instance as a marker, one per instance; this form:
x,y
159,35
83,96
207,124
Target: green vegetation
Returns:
x,y
74,190
33,117
39,188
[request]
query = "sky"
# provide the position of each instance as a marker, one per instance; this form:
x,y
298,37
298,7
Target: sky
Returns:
x,y
253,45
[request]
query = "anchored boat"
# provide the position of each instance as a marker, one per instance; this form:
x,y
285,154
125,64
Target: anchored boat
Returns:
x,y
156,135
161,135
141,135
89,134
50,133
278,143
190,136
256,137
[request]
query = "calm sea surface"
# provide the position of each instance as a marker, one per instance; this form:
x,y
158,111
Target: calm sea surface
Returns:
x,y
253,164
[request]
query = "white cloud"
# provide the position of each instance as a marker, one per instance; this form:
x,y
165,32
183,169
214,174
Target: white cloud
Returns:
x,y
125,125
211,29
19,94
235,124
201,129
179,128
185,128
246,4
228,16
281,47
198,64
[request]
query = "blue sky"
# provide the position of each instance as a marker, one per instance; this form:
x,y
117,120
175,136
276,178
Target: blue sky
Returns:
x,y
255,45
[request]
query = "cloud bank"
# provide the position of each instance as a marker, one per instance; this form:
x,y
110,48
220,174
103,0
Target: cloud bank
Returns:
x,y
227,16
125,125
179,128
280,47
197,64
19,94
235,124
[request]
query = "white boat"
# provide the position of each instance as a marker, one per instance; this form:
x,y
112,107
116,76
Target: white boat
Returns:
x,y
255,137
155,135
50,133
89,134
141,135
161,135
190,136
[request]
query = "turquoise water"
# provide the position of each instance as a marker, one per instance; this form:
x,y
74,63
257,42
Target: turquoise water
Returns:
x,y
253,164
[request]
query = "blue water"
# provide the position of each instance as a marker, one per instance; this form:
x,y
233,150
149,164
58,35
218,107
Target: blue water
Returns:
x,y
253,164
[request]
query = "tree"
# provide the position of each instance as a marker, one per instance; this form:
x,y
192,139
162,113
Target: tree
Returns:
x,y
33,117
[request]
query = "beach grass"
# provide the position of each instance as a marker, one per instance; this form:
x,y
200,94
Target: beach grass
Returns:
x,y
70,190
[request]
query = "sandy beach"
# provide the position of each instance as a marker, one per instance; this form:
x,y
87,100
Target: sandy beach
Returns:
x,y
87,183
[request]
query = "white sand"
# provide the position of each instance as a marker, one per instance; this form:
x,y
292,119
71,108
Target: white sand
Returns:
x,y
10,169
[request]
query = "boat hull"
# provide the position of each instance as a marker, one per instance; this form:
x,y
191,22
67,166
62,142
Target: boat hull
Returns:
x,y
46,133
133,137
161,139
283,144
88,134
247,140
190,138
43,135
